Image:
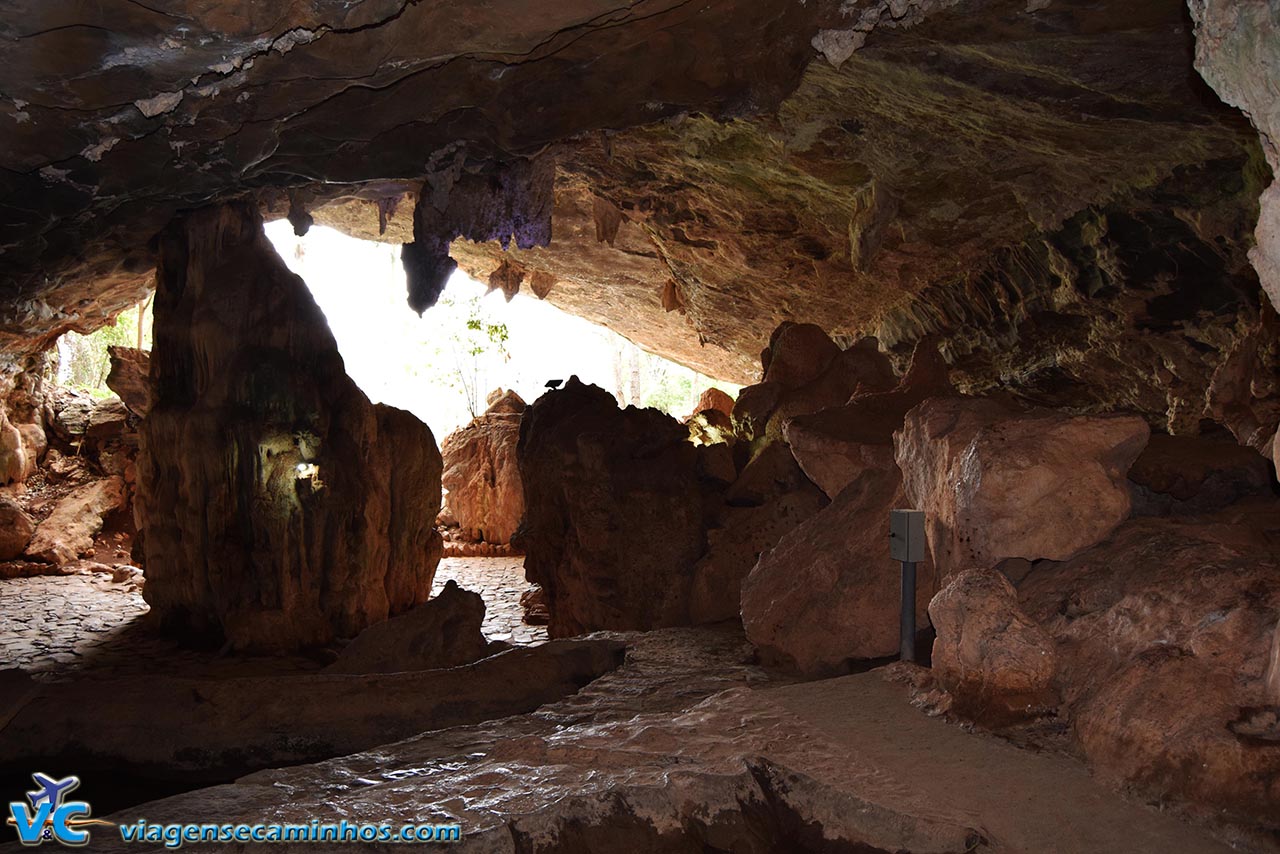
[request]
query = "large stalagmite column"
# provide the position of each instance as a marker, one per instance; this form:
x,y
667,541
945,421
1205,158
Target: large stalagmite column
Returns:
x,y
278,506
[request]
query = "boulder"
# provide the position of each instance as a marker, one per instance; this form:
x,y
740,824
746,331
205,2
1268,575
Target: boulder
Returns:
x,y
798,353
14,466
68,531
278,507
486,497
614,518
999,483
108,420
534,604
443,632
804,372
828,593
130,378
771,498
710,427
16,529
995,661
1187,475
71,411
713,399
834,445
1165,631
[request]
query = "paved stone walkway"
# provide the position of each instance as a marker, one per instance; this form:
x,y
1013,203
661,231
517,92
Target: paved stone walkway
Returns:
x,y
86,625
500,582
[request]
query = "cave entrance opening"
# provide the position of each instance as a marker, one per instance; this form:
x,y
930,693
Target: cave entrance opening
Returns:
x,y
442,365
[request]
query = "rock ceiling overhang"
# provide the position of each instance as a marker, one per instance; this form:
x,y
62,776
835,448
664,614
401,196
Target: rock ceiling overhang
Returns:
x,y
713,173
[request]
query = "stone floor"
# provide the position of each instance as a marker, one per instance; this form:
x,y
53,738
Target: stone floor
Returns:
x,y
500,582
87,625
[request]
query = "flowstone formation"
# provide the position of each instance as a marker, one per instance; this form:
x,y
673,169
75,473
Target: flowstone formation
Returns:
x,y
278,506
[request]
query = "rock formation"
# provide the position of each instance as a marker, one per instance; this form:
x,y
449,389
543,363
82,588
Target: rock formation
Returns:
x,y
278,506
769,499
486,498
444,632
69,530
1164,632
993,659
130,378
1235,41
614,514
1184,475
828,593
16,528
216,729
996,483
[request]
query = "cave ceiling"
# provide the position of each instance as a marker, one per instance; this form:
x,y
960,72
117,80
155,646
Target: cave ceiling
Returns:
x,y
1048,188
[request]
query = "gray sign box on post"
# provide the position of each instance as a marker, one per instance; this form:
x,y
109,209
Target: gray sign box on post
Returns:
x,y
906,535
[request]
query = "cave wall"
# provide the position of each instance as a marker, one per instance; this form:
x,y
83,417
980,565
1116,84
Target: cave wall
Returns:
x,y
278,507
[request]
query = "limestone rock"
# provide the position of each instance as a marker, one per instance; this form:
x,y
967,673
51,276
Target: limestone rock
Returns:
x,y
771,498
828,592
1273,669
16,528
108,420
130,378
714,398
534,604
14,466
806,372
216,729
996,483
798,353
1235,41
279,508
68,531
481,475
835,445
1185,475
614,514
443,632
71,413
991,657
1164,633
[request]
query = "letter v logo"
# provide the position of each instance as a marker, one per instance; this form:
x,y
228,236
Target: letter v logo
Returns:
x,y
30,826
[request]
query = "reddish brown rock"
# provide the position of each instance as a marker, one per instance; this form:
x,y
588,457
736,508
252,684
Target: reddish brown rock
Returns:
x,y
130,378
614,519
1273,669
486,497
806,372
1185,475
997,483
16,528
798,353
993,659
14,466
835,445
443,632
67,532
771,498
279,507
1165,631
714,399
828,593
534,604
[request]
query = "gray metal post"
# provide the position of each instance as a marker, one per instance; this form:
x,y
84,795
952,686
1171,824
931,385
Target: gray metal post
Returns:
x,y
907,543
907,643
